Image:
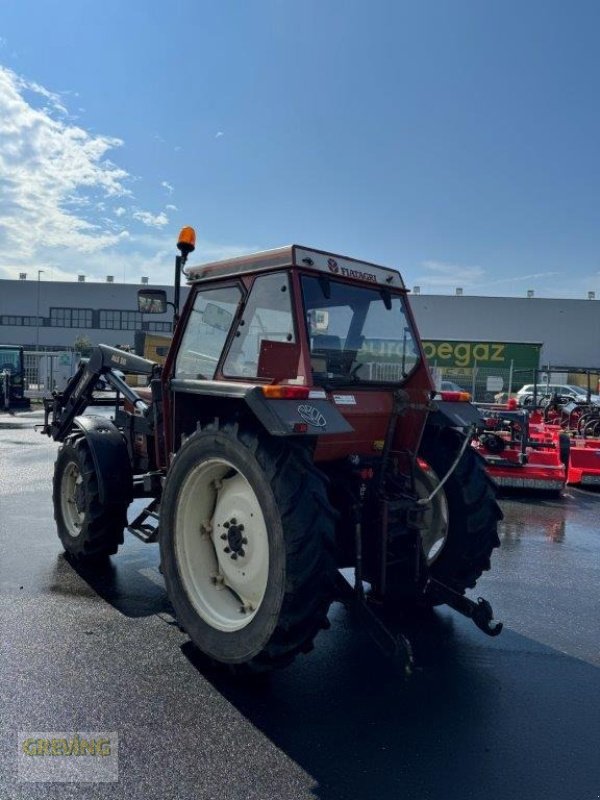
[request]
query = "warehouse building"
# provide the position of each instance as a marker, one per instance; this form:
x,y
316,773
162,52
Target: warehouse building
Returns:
x,y
53,314
465,337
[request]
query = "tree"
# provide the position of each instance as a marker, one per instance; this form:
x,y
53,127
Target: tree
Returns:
x,y
83,346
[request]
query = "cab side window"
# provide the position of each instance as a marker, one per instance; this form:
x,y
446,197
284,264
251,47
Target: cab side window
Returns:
x,y
206,332
267,317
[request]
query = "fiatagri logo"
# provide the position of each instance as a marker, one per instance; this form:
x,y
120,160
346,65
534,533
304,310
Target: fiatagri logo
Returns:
x,y
350,273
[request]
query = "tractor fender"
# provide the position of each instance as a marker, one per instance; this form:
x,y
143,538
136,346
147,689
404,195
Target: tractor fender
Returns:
x,y
451,414
281,417
110,456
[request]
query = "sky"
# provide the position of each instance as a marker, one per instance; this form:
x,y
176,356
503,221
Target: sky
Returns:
x,y
457,140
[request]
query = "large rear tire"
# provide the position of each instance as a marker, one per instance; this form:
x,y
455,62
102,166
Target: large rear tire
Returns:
x,y
247,546
87,528
463,517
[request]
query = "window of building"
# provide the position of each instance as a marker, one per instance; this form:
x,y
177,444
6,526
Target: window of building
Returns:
x,y
131,320
158,327
110,320
71,317
81,318
13,319
120,320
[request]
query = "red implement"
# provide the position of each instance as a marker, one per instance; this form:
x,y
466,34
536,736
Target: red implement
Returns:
x,y
521,454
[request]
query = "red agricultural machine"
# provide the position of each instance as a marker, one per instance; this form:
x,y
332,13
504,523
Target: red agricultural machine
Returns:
x,y
580,423
543,446
519,453
277,445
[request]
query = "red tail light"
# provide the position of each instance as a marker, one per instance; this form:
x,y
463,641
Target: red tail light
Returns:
x,y
284,392
456,397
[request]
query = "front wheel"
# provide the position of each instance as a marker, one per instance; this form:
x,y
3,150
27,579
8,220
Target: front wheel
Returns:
x,y
246,546
88,528
461,521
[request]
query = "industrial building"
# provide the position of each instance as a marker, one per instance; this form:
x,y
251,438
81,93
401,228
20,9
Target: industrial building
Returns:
x,y
461,332
52,314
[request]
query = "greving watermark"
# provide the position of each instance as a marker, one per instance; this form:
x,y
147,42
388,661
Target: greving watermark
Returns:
x,y
68,757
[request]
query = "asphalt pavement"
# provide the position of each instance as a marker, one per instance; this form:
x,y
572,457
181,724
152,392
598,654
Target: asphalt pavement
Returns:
x,y
517,716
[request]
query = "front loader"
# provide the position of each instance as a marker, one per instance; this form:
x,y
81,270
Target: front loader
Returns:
x,y
292,432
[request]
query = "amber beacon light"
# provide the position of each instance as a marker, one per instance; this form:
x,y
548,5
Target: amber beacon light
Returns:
x,y
186,244
187,241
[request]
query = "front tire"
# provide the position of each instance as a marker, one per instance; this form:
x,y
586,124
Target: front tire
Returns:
x,y
87,528
246,546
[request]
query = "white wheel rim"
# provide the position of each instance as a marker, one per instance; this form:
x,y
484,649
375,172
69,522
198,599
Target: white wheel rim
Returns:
x,y
435,531
221,545
70,488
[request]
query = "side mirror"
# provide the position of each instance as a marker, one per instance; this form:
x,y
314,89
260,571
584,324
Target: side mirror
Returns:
x,y
217,317
152,301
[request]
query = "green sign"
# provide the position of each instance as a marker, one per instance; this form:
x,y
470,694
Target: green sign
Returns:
x,y
447,353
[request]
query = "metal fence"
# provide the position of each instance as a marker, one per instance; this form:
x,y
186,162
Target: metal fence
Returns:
x,y
488,384
47,370
485,384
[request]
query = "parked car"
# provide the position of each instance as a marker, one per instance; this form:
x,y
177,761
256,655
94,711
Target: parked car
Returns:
x,y
576,393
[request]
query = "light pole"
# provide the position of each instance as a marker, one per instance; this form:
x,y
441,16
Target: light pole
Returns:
x,y
37,319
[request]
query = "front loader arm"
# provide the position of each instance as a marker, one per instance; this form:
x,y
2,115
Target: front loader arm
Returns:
x,y
78,394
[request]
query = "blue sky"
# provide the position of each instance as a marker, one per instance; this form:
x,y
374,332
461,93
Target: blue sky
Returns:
x,y
456,140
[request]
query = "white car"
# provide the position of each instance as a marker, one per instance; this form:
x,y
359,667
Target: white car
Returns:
x,y
577,393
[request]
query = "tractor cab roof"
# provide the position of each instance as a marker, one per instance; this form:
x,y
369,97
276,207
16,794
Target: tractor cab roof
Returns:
x,y
299,257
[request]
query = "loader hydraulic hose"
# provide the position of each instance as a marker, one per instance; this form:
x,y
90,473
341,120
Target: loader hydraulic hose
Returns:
x,y
425,500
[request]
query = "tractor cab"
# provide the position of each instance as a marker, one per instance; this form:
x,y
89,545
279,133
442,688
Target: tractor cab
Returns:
x,y
303,325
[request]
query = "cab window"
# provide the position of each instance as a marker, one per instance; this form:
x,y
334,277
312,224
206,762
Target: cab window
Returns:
x,y
267,317
206,332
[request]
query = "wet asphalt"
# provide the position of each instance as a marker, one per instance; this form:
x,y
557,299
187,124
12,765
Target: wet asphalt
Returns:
x,y
517,716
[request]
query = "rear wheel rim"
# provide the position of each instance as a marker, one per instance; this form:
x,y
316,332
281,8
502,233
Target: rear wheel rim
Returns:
x,y
221,545
435,531
71,491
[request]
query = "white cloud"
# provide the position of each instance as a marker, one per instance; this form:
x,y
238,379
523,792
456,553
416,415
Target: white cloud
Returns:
x,y
152,220
442,273
149,252
50,170
518,278
218,134
444,277
62,204
166,185
56,177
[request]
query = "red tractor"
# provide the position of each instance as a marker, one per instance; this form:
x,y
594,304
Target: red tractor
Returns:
x,y
293,431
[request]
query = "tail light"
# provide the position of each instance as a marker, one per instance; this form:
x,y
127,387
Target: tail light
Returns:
x,y
278,392
456,397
